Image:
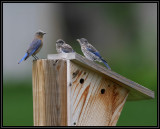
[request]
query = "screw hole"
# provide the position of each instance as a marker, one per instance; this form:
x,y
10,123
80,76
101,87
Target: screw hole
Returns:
x,y
75,73
81,81
54,63
74,123
102,91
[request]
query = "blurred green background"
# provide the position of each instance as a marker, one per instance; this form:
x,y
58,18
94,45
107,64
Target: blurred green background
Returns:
x,y
124,33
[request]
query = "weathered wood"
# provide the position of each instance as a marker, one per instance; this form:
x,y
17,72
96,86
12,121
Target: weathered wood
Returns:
x,y
70,90
64,93
49,93
95,100
137,91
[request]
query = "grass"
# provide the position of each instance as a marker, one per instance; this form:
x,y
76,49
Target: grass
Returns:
x,y
18,108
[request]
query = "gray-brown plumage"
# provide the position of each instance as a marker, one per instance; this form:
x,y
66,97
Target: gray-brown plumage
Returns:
x,y
62,47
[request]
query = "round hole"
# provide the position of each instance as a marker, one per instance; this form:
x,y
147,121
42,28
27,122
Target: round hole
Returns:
x,y
74,74
102,91
81,81
74,123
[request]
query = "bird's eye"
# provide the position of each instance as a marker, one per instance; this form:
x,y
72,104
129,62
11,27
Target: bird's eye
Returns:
x,y
61,42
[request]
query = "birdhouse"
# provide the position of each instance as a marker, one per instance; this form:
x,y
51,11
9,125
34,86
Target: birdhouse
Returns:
x,y
70,90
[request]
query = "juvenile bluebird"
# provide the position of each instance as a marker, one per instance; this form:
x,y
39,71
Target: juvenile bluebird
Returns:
x,y
62,47
35,46
90,52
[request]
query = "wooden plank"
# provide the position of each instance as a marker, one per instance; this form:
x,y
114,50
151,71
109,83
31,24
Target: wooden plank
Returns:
x,y
67,56
49,92
69,82
95,100
137,91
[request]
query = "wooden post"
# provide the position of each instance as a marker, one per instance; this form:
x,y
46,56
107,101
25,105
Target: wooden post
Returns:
x,y
49,93
69,90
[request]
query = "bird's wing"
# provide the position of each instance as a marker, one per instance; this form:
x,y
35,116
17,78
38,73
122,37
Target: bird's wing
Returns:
x,y
67,48
93,50
36,43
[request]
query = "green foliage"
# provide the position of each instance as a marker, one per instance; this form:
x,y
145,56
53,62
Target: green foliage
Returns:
x,y
17,105
139,113
18,108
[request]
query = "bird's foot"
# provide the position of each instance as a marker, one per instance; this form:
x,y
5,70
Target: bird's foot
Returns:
x,y
35,57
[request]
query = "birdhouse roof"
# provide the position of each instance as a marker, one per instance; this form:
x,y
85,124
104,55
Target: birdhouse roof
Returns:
x,y
136,91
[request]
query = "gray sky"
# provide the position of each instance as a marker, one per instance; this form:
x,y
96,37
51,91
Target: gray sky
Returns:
x,y
20,22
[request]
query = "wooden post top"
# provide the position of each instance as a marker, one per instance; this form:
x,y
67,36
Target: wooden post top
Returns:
x,y
136,91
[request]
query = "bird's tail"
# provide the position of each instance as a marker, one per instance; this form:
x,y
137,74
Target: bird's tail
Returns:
x,y
105,62
25,56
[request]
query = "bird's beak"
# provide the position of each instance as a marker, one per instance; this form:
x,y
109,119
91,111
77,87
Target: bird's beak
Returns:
x,y
78,40
44,33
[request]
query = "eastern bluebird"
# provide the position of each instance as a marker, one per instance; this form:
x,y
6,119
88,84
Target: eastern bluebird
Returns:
x,y
90,52
35,46
62,47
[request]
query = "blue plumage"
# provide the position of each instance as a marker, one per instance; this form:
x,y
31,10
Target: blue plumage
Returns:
x,y
25,56
66,51
34,47
90,52
106,64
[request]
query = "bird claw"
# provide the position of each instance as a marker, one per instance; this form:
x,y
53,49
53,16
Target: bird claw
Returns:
x,y
35,57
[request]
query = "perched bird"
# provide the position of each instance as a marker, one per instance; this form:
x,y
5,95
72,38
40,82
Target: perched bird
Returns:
x,y
35,46
90,52
62,47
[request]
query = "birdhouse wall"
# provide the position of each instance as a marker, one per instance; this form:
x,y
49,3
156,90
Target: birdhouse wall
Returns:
x,y
95,100
68,94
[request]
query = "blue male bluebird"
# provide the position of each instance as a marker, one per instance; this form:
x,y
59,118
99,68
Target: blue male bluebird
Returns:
x,y
63,47
90,52
35,46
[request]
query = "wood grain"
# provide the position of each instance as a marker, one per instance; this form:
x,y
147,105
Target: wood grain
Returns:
x,y
73,91
49,93
137,91
95,101
65,93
